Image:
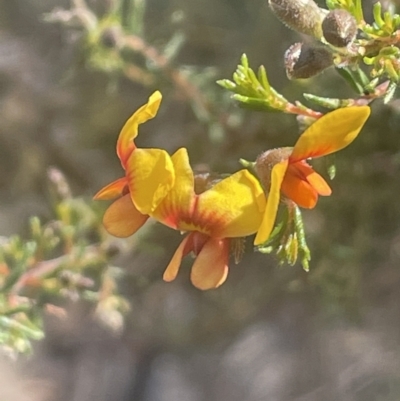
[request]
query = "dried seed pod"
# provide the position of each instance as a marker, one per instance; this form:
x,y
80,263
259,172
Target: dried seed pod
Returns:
x,y
304,60
303,16
339,28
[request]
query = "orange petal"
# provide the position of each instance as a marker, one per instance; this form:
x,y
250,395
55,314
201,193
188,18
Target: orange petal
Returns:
x,y
129,132
314,179
151,176
296,187
319,184
330,133
234,207
176,208
210,269
268,221
113,190
173,267
122,219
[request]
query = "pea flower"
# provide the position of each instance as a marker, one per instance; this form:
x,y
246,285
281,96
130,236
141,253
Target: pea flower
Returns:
x,y
232,208
155,170
286,171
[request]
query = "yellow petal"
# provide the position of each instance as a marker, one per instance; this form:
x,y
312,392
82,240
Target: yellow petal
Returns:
x,y
129,132
177,206
232,208
268,221
330,133
113,190
122,219
210,268
150,175
173,267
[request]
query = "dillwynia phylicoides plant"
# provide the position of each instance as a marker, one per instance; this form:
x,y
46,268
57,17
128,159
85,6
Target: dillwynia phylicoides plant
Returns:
x,y
264,198
62,260
366,55
115,44
215,212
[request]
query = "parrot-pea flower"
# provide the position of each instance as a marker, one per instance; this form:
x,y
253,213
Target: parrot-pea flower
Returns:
x,y
125,216
232,208
286,169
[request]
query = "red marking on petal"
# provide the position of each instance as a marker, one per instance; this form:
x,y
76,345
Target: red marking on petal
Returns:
x,y
198,240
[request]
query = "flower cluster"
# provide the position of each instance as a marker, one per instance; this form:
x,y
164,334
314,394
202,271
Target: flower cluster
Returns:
x,y
216,213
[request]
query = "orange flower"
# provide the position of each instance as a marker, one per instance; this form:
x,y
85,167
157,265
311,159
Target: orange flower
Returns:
x,y
286,170
124,217
162,186
233,207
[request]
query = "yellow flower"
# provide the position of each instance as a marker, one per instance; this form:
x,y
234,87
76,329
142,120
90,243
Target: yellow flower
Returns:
x,y
286,170
154,172
232,208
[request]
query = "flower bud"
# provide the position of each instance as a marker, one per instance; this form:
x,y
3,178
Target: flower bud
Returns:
x,y
266,161
110,37
304,60
303,16
205,181
339,28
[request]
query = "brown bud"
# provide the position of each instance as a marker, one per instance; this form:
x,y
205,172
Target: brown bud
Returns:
x,y
266,161
339,28
303,16
205,181
305,60
111,37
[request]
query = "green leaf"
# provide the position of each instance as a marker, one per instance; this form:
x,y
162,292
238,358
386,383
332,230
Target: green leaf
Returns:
x,y
377,11
244,60
303,248
358,11
227,84
253,90
355,80
329,103
287,239
254,103
390,92
262,77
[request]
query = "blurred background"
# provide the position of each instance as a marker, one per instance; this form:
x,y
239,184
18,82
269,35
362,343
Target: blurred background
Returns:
x,y
71,73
